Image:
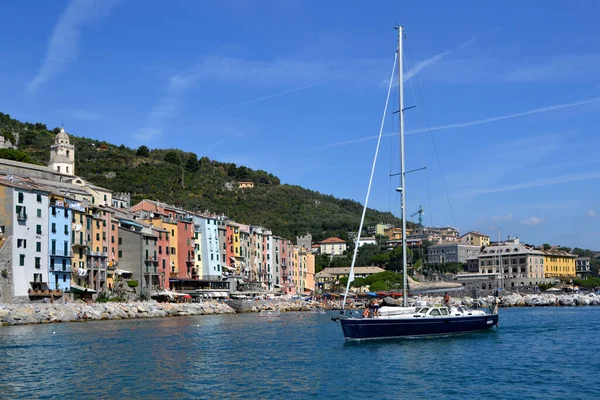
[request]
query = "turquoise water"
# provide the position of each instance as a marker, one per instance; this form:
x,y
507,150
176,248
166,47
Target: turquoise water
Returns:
x,y
537,353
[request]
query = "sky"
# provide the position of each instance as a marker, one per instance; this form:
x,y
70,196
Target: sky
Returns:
x,y
507,96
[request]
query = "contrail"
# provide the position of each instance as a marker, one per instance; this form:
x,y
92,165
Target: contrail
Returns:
x,y
270,96
509,116
473,123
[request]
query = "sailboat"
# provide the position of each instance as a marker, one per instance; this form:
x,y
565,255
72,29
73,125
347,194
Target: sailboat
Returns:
x,y
418,319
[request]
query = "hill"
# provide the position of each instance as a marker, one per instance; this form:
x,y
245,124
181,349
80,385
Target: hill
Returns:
x,y
196,184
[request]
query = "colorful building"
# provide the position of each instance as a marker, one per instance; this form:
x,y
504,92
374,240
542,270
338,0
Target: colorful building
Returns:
x,y
60,228
24,240
559,264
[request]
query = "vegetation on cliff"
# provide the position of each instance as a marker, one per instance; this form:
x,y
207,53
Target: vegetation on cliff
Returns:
x,y
196,183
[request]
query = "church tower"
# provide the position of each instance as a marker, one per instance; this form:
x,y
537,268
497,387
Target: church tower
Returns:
x,y
62,154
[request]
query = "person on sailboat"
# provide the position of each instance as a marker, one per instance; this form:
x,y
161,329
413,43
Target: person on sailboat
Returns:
x,y
446,299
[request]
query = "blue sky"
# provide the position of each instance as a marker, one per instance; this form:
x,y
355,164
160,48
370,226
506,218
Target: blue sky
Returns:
x,y
511,91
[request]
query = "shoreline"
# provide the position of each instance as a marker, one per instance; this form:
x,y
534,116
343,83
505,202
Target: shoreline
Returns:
x,y
79,311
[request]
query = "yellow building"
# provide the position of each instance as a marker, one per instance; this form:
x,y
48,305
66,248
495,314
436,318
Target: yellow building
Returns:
x,y
476,239
559,264
333,245
198,252
170,225
80,243
308,272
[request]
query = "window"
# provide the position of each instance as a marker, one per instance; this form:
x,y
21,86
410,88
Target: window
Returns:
x,y
51,263
112,239
120,253
104,197
21,197
53,228
173,250
66,213
120,240
21,259
66,229
39,198
21,243
38,246
39,213
173,232
112,227
97,236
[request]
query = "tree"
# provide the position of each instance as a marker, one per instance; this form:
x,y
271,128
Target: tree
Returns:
x,y
191,164
143,151
546,246
172,157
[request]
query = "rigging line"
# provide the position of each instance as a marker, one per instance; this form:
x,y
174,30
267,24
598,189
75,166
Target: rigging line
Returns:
x,y
409,58
362,219
435,149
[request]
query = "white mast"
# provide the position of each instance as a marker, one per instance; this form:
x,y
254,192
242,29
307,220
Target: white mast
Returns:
x,y
402,188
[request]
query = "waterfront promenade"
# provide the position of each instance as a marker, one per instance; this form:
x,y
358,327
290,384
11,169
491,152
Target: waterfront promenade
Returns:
x,y
79,311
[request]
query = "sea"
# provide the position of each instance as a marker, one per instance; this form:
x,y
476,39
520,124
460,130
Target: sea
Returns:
x,y
535,353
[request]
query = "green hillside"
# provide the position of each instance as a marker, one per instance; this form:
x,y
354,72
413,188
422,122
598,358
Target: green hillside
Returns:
x,y
196,184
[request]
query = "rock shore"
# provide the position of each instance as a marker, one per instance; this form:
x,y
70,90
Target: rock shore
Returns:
x,y
40,313
518,300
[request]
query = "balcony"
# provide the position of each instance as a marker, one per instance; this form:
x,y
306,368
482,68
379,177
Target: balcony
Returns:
x,y
97,253
173,274
81,243
60,253
21,216
150,259
60,268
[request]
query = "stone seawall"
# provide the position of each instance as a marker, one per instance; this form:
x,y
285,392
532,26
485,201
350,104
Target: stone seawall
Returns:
x,y
39,313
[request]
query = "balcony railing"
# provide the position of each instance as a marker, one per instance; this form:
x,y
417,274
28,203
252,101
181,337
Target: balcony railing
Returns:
x,y
60,268
80,243
22,216
60,253
97,253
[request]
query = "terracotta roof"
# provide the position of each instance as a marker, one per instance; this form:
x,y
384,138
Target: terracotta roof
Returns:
x,y
332,240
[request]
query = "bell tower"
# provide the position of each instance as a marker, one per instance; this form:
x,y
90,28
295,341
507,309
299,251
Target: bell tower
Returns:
x,y
62,154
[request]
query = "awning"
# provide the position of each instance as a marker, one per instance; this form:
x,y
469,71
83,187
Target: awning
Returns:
x,y
122,271
228,267
78,288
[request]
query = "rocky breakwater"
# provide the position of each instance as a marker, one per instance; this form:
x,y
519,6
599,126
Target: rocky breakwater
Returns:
x,y
20,314
244,306
513,300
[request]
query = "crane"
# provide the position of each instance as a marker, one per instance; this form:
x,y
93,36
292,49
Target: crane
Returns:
x,y
420,212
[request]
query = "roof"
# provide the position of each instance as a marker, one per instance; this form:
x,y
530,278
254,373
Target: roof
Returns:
x,y
508,249
474,234
357,270
332,240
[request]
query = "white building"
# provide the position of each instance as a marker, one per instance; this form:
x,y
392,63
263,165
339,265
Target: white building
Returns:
x,y
210,250
24,247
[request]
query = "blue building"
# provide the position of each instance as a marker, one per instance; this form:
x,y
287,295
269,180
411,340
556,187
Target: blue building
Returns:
x,y
59,248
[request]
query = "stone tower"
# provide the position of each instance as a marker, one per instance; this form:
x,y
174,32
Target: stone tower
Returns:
x,y
62,154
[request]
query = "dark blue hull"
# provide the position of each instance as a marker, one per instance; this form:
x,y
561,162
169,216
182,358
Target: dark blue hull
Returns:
x,y
376,328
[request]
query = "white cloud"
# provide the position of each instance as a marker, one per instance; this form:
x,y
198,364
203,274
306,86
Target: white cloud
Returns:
x,y
533,220
591,213
64,42
502,217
